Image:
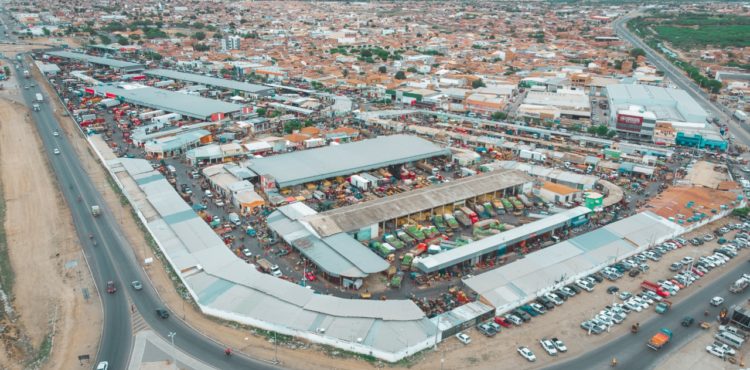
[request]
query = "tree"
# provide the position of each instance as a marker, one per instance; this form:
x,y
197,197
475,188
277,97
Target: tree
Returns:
x,y
200,35
200,47
105,39
591,130
602,130
261,112
345,72
477,83
411,70
741,212
400,75
46,31
291,126
382,69
576,127
636,52
309,122
499,116
217,36
123,40
134,36
611,134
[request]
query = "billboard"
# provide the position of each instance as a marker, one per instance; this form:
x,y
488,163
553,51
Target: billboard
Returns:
x,y
629,123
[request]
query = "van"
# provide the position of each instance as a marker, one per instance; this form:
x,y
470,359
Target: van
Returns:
x,y
234,219
171,169
730,339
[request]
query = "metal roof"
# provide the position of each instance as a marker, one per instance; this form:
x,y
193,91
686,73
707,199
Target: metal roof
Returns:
x,y
170,101
210,81
227,287
337,255
538,272
356,216
341,160
113,63
449,258
664,102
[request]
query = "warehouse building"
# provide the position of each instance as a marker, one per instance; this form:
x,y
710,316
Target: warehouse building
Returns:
x,y
341,258
237,87
226,287
342,160
117,65
169,101
366,220
542,271
636,108
573,104
496,246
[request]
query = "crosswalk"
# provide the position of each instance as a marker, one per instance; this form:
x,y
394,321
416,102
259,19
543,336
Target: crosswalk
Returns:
x,y
137,322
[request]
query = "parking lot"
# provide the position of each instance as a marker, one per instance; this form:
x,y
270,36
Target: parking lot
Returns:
x,y
564,321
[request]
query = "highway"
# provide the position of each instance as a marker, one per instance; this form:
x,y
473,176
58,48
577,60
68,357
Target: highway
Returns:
x,y
112,258
631,351
682,81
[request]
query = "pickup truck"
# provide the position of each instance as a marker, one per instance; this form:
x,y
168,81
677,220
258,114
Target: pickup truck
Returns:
x,y
661,338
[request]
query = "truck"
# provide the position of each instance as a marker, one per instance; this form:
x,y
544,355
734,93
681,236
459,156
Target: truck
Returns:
x,y
109,103
166,118
150,114
26,73
740,285
426,167
471,214
532,155
663,306
740,115
95,210
39,97
265,266
660,339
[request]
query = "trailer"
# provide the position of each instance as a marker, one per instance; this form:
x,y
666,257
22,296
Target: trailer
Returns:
x,y
151,114
166,118
109,103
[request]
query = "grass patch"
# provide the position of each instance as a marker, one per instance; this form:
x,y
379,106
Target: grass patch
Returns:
x,y
6,272
42,355
715,35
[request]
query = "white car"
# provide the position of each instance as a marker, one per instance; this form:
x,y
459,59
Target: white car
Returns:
x,y
716,351
554,299
727,349
104,365
246,252
633,306
548,347
55,133
56,151
625,295
526,353
686,260
559,345
463,338
716,301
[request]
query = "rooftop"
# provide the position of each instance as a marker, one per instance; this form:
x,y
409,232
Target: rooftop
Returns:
x,y
513,284
113,63
211,81
353,217
341,160
665,103
170,101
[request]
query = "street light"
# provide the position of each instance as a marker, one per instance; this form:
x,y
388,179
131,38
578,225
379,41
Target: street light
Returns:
x,y
171,336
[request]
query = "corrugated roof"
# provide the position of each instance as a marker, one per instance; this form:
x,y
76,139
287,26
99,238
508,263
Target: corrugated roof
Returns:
x,y
356,216
114,63
341,160
210,81
518,282
170,101
449,258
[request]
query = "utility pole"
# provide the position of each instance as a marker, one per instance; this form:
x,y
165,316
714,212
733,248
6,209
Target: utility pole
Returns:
x,y
276,349
171,336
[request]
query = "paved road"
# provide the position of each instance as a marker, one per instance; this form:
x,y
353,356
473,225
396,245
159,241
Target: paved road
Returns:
x,y
682,81
631,351
113,259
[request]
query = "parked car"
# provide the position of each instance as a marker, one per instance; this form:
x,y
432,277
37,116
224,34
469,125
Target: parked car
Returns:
x,y
526,353
548,347
502,321
463,338
559,345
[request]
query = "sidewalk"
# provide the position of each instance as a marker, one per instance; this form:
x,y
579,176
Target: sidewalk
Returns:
x,y
150,351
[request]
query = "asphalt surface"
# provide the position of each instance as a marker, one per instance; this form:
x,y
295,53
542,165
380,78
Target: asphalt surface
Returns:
x,y
682,81
112,258
631,350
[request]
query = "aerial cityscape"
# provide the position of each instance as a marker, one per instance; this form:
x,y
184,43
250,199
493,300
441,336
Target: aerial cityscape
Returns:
x,y
358,185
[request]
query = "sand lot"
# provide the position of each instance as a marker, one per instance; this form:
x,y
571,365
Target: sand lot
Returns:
x,y
49,268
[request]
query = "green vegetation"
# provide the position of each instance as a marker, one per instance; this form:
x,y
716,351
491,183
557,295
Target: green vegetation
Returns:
x,y
400,75
6,273
150,55
291,126
741,212
477,84
499,116
691,31
200,47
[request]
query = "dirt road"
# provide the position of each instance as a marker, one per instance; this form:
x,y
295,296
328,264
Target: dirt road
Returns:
x,y
51,276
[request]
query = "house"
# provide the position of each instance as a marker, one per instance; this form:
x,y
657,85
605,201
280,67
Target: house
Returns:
x,y
559,193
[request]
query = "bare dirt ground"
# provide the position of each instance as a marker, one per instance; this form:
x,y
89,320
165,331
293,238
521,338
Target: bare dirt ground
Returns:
x,y
48,265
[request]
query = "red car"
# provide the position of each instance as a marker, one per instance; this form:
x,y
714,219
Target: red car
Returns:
x,y
680,285
111,289
502,322
697,272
